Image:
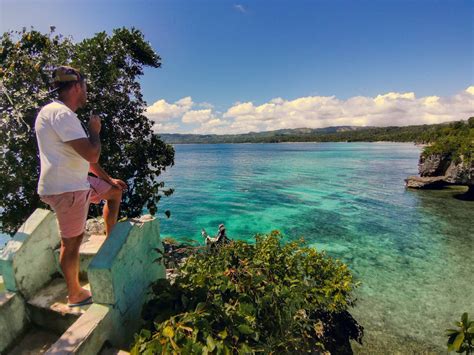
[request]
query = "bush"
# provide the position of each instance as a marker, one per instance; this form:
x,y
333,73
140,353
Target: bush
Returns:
x,y
252,298
454,141
462,339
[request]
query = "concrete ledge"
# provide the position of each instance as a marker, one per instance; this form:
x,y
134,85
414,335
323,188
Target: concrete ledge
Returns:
x,y
27,261
87,335
13,319
122,271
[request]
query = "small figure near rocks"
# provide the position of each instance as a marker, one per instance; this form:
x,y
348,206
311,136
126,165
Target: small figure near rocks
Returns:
x,y
220,239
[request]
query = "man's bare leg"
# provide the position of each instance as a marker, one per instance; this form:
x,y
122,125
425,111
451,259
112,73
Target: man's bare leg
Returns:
x,y
111,208
69,261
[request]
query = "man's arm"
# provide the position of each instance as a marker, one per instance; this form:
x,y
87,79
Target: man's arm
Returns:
x,y
89,148
98,171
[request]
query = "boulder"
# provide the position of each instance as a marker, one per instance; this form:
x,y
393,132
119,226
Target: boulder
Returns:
x,y
433,164
460,173
425,182
438,170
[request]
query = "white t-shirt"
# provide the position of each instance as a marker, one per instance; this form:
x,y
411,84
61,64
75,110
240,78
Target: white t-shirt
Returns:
x,y
62,168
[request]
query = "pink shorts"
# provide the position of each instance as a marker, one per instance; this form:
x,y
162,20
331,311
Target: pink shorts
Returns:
x,y
71,208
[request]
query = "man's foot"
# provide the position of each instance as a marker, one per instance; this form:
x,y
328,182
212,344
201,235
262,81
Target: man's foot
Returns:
x,y
86,302
79,297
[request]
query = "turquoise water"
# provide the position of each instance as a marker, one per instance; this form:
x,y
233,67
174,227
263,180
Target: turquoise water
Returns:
x,y
412,250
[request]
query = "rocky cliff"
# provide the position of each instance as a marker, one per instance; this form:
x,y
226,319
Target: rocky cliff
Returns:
x,y
438,170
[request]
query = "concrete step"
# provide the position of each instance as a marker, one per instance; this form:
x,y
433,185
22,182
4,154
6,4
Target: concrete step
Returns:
x,y
49,310
35,341
89,248
110,350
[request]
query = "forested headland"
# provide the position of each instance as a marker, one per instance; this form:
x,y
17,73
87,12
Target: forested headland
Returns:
x,y
422,134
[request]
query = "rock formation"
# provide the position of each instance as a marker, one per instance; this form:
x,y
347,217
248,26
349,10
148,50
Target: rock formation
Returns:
x,y
439,170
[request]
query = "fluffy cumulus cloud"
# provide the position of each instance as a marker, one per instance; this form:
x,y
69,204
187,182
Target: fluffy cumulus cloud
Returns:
x,y
389,109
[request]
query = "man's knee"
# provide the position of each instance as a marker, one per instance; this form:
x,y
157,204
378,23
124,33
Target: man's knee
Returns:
x,y
72,244
115,194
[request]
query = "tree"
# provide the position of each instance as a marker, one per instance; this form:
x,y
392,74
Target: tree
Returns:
x,y
112,65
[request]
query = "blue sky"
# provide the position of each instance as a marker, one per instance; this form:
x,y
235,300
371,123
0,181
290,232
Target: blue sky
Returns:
x,y
221,53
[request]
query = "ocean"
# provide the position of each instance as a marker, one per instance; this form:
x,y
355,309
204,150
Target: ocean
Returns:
x,y
411,250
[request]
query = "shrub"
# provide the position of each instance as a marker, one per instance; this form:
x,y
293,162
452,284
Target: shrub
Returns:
x,y
461,339
455,141
252,298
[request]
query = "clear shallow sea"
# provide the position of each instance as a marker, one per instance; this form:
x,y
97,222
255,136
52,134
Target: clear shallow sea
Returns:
x,y
412,250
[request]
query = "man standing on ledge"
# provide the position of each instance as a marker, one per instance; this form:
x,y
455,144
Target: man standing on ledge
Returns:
x,y
67,155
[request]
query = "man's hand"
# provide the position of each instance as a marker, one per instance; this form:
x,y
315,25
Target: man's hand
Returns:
x,y
94,124
119,183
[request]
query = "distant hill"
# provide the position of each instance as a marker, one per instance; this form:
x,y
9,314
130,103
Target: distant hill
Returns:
x,y
418,133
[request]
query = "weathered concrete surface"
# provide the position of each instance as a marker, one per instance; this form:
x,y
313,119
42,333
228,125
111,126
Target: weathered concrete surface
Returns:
x,y
36,341
49,309
122,271
27,261
87,335
13,319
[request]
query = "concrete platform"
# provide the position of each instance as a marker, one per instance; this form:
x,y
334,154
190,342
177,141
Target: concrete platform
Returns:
x,y
49,309
36,341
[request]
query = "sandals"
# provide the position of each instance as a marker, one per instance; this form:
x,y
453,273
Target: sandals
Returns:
x,y
85,302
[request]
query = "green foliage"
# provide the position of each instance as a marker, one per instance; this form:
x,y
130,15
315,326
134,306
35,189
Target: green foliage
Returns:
x,y
112,65
461,339
247,298
455,140
417,134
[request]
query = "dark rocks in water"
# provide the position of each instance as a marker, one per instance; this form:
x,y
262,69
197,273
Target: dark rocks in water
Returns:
x,y
439,170
460,173
467,196
433,165
427,182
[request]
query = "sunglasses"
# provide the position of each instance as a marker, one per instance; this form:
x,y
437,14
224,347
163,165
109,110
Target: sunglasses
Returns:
x,y
69,72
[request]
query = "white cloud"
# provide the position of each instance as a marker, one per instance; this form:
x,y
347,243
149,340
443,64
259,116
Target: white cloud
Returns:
x,y
164,111
389,109
165,128
197,116
206,105
240,8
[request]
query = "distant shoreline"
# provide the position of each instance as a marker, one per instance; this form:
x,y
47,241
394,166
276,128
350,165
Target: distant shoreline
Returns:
x,y
296,142
348,134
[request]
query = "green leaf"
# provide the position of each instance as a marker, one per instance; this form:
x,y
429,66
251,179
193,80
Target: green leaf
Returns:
x,y
450,332
458,341
244,349
200,307
245,329
464,319
211,345
470,330
223,334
